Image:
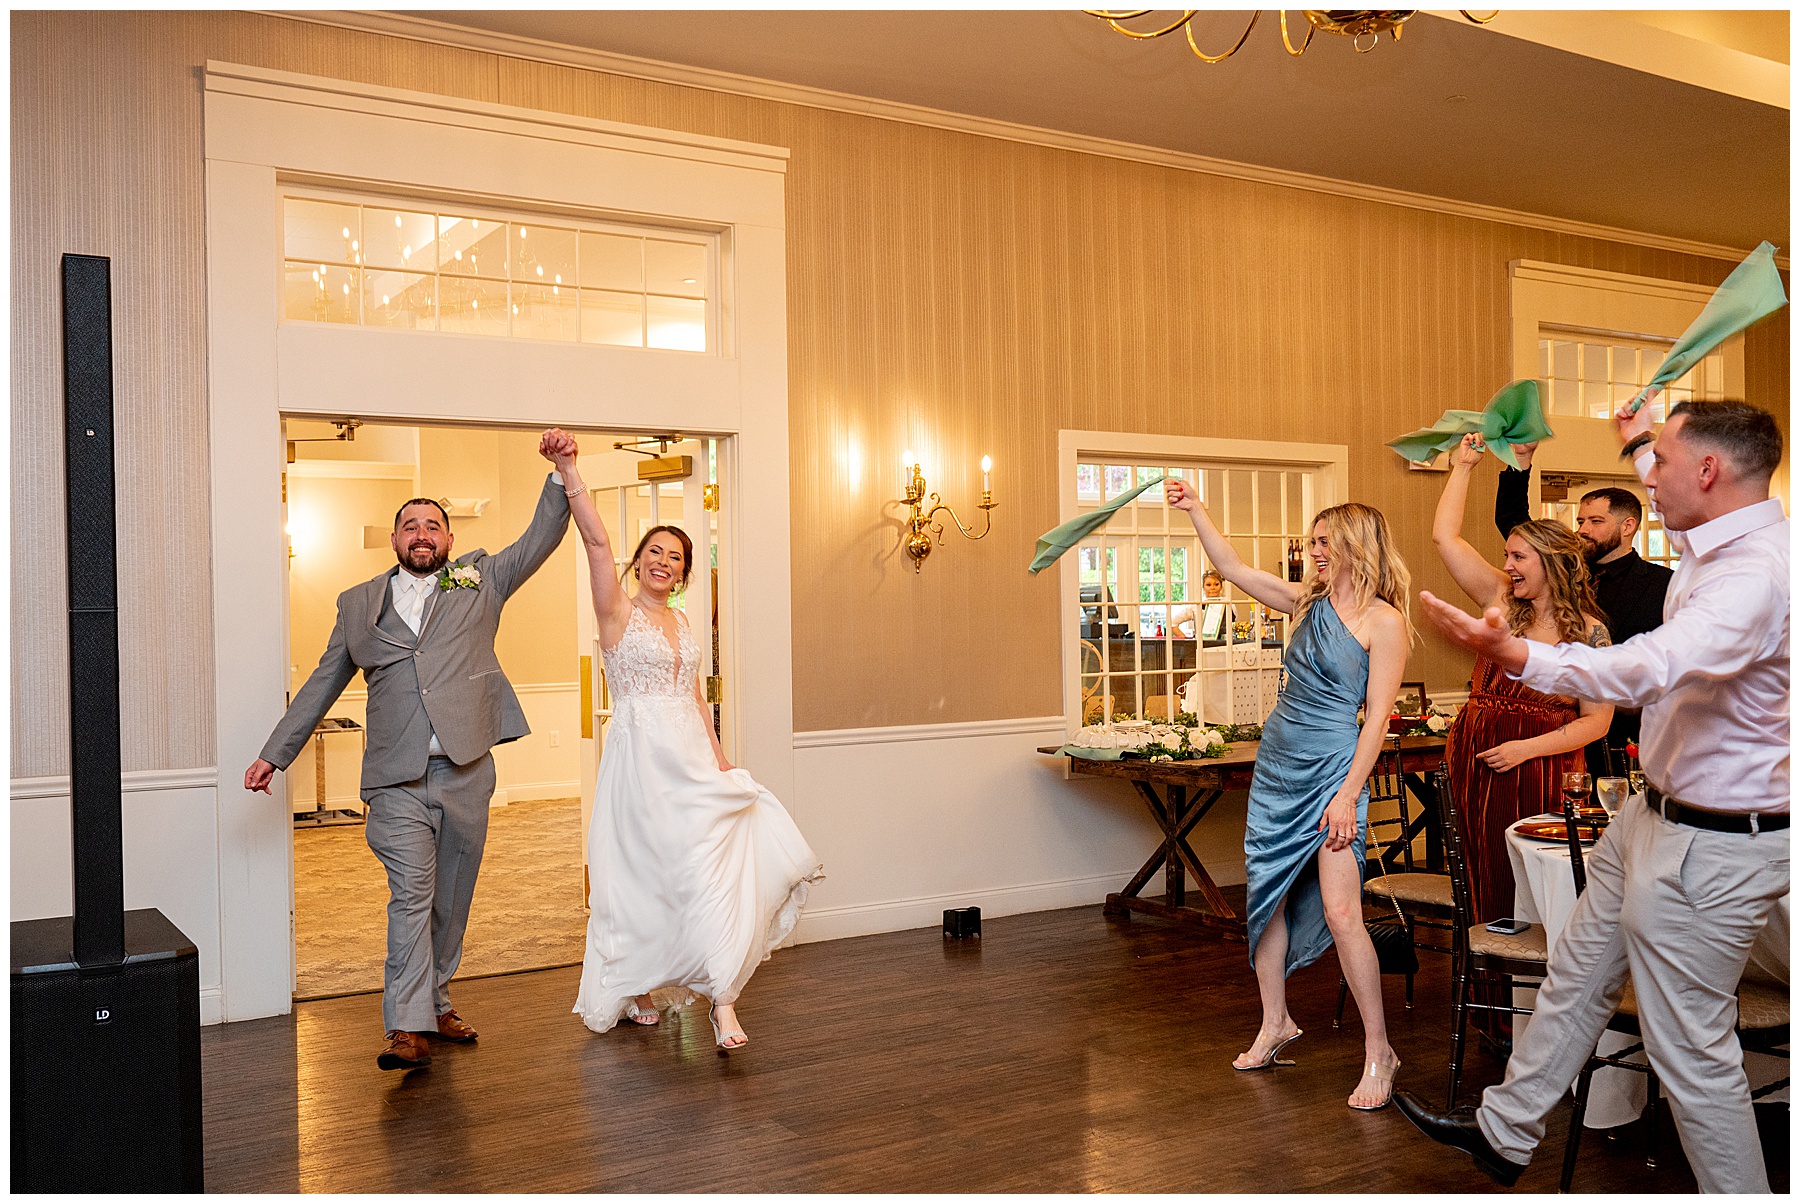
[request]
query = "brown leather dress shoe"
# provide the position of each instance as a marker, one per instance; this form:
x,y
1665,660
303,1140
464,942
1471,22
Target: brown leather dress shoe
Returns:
x,y
452,1027
405,1051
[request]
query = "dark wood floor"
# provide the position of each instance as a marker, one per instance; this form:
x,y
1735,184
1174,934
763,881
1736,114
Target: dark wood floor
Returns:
x,y
1061,1052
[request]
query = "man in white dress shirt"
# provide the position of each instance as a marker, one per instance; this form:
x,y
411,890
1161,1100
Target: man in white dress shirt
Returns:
x,y
1682,882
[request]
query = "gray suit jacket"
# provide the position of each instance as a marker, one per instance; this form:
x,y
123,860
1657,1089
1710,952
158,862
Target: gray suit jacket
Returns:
x,y
446,679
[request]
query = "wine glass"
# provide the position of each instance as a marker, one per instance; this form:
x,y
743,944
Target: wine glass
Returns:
x,y
1575,788
1612,794
1636,778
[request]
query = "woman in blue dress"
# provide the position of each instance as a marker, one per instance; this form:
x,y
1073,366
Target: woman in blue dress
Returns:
x,y
1309,797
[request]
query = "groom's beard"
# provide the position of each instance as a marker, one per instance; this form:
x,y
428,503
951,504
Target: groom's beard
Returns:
x,y
422,560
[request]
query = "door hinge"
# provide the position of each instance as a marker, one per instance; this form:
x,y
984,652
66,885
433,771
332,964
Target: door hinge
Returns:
x,y
709,497
715,689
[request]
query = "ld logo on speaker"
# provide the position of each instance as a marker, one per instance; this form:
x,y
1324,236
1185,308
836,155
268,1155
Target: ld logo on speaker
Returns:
x,y
102,1015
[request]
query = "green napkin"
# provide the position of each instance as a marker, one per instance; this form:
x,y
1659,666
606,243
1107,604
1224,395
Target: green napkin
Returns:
x,y
1511,416
1052,544
1091,754
1751,293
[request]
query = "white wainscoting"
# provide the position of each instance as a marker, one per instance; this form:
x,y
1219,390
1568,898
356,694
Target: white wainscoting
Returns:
x,y
912,820
171,836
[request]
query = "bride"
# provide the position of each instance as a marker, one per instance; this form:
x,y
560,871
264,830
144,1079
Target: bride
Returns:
x,y
697,872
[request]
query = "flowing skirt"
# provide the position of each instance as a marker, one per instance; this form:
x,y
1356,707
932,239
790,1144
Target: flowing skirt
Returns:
x,y
696,876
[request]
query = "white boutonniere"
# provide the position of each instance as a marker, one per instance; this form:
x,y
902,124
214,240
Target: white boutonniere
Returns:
x,y
459,576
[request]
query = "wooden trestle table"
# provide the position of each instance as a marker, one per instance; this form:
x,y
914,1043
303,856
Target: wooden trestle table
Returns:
x,y
1189,790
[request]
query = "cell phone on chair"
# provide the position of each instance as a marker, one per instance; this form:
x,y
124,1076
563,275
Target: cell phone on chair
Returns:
x,y
1508,926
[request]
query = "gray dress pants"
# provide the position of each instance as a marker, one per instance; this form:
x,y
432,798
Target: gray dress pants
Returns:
x,y
1677,907
429,835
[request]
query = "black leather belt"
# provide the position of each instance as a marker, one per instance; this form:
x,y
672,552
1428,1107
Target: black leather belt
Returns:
x,y
1678,812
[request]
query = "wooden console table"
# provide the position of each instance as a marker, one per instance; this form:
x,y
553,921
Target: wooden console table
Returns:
x,y
1189,790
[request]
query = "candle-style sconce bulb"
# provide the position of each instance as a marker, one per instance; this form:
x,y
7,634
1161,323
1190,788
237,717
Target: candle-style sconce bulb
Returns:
x,y
920,527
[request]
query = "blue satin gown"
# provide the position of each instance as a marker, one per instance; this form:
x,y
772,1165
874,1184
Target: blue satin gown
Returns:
x,y
1308,743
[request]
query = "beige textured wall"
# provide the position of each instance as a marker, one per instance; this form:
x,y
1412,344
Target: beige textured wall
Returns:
x,y
947,291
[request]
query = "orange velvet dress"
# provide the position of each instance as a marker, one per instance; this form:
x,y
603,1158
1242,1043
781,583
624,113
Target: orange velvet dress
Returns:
x,y
1500,709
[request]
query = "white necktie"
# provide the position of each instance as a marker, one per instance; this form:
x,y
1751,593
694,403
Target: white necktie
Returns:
x,y
414,599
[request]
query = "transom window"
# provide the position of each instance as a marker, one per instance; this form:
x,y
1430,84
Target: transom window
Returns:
x,y
463,270
1590,374
1149,616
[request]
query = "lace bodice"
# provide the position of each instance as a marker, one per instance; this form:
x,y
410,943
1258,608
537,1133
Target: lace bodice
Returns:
x,y
644,665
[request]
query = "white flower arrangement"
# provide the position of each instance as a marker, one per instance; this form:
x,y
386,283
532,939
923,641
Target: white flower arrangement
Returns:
x,y
459,576
1155,741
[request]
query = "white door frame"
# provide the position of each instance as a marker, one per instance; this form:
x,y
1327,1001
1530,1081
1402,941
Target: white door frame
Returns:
x,y
266,128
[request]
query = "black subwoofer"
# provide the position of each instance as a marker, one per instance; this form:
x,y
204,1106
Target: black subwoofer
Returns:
x,y
105,1063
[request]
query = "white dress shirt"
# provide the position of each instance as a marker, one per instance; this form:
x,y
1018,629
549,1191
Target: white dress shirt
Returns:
x,y
1713,679
410,594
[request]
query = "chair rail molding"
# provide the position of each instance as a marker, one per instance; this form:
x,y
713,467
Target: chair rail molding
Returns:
x,y
266,130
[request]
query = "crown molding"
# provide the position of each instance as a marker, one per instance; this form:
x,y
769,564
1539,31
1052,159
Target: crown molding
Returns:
x,y
402,25
1614,282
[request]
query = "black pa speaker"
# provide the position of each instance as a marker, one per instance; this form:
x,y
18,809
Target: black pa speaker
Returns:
x,y
106,1063
105,1003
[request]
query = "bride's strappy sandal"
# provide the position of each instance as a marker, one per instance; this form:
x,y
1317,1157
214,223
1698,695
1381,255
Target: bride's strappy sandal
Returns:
x,y
1381,1074
727,1039
638,1015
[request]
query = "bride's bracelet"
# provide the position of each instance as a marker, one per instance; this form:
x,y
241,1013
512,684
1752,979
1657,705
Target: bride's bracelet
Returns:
x,y
577,492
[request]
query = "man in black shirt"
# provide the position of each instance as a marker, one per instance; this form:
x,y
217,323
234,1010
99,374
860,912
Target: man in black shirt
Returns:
x,y
1630,588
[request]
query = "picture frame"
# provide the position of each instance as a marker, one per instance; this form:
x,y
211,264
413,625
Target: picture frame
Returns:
x,y
1212,620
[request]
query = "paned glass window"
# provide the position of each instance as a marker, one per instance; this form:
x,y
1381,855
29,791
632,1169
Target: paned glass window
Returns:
x,y
1590,374
1150,617
460,270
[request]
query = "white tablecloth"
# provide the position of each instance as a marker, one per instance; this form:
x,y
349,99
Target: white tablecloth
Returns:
x,y
1544,893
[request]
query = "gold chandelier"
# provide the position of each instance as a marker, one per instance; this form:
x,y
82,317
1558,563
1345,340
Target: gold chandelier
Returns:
x,y
1355,24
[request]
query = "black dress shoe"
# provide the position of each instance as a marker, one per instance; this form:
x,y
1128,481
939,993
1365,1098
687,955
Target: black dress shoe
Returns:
x,y
1459,1131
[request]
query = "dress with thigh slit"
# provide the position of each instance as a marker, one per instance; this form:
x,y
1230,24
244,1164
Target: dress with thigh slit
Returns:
x,y
1308,743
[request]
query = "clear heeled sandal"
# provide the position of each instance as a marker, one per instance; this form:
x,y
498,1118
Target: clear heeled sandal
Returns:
x,y
1274,1057
1381,1074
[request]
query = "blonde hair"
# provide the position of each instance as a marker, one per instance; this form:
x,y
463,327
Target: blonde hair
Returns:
x,y
1360,535
1565,574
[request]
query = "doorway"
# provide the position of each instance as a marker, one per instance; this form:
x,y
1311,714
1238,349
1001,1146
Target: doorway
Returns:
x,y
343,482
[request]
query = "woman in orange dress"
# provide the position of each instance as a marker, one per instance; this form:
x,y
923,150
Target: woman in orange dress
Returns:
x,y
1510,745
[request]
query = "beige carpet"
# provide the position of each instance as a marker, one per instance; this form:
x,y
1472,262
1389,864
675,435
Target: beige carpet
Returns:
x,y
528,912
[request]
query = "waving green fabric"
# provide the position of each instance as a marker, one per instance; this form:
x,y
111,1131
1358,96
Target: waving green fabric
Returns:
x,y
1052,544
1513,415
1751,293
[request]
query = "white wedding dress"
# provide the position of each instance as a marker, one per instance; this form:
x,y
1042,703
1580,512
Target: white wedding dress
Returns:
x,y
695,875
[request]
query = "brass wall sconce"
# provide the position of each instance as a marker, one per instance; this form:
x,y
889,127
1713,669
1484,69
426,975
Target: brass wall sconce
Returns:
x,y
920,527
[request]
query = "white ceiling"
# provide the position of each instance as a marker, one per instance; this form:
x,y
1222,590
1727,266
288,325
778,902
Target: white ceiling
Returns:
x,y
1452,110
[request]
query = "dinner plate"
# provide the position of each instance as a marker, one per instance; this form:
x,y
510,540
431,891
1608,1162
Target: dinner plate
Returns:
x,y
1554,830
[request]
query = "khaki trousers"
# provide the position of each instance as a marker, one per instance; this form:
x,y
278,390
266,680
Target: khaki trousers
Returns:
x,y
429,834
1678,908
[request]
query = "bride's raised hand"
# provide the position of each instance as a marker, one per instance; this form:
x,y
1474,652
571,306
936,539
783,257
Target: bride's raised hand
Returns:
x,y
558,447
1179,494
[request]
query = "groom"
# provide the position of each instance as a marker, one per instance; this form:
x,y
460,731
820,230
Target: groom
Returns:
x,y
423,635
